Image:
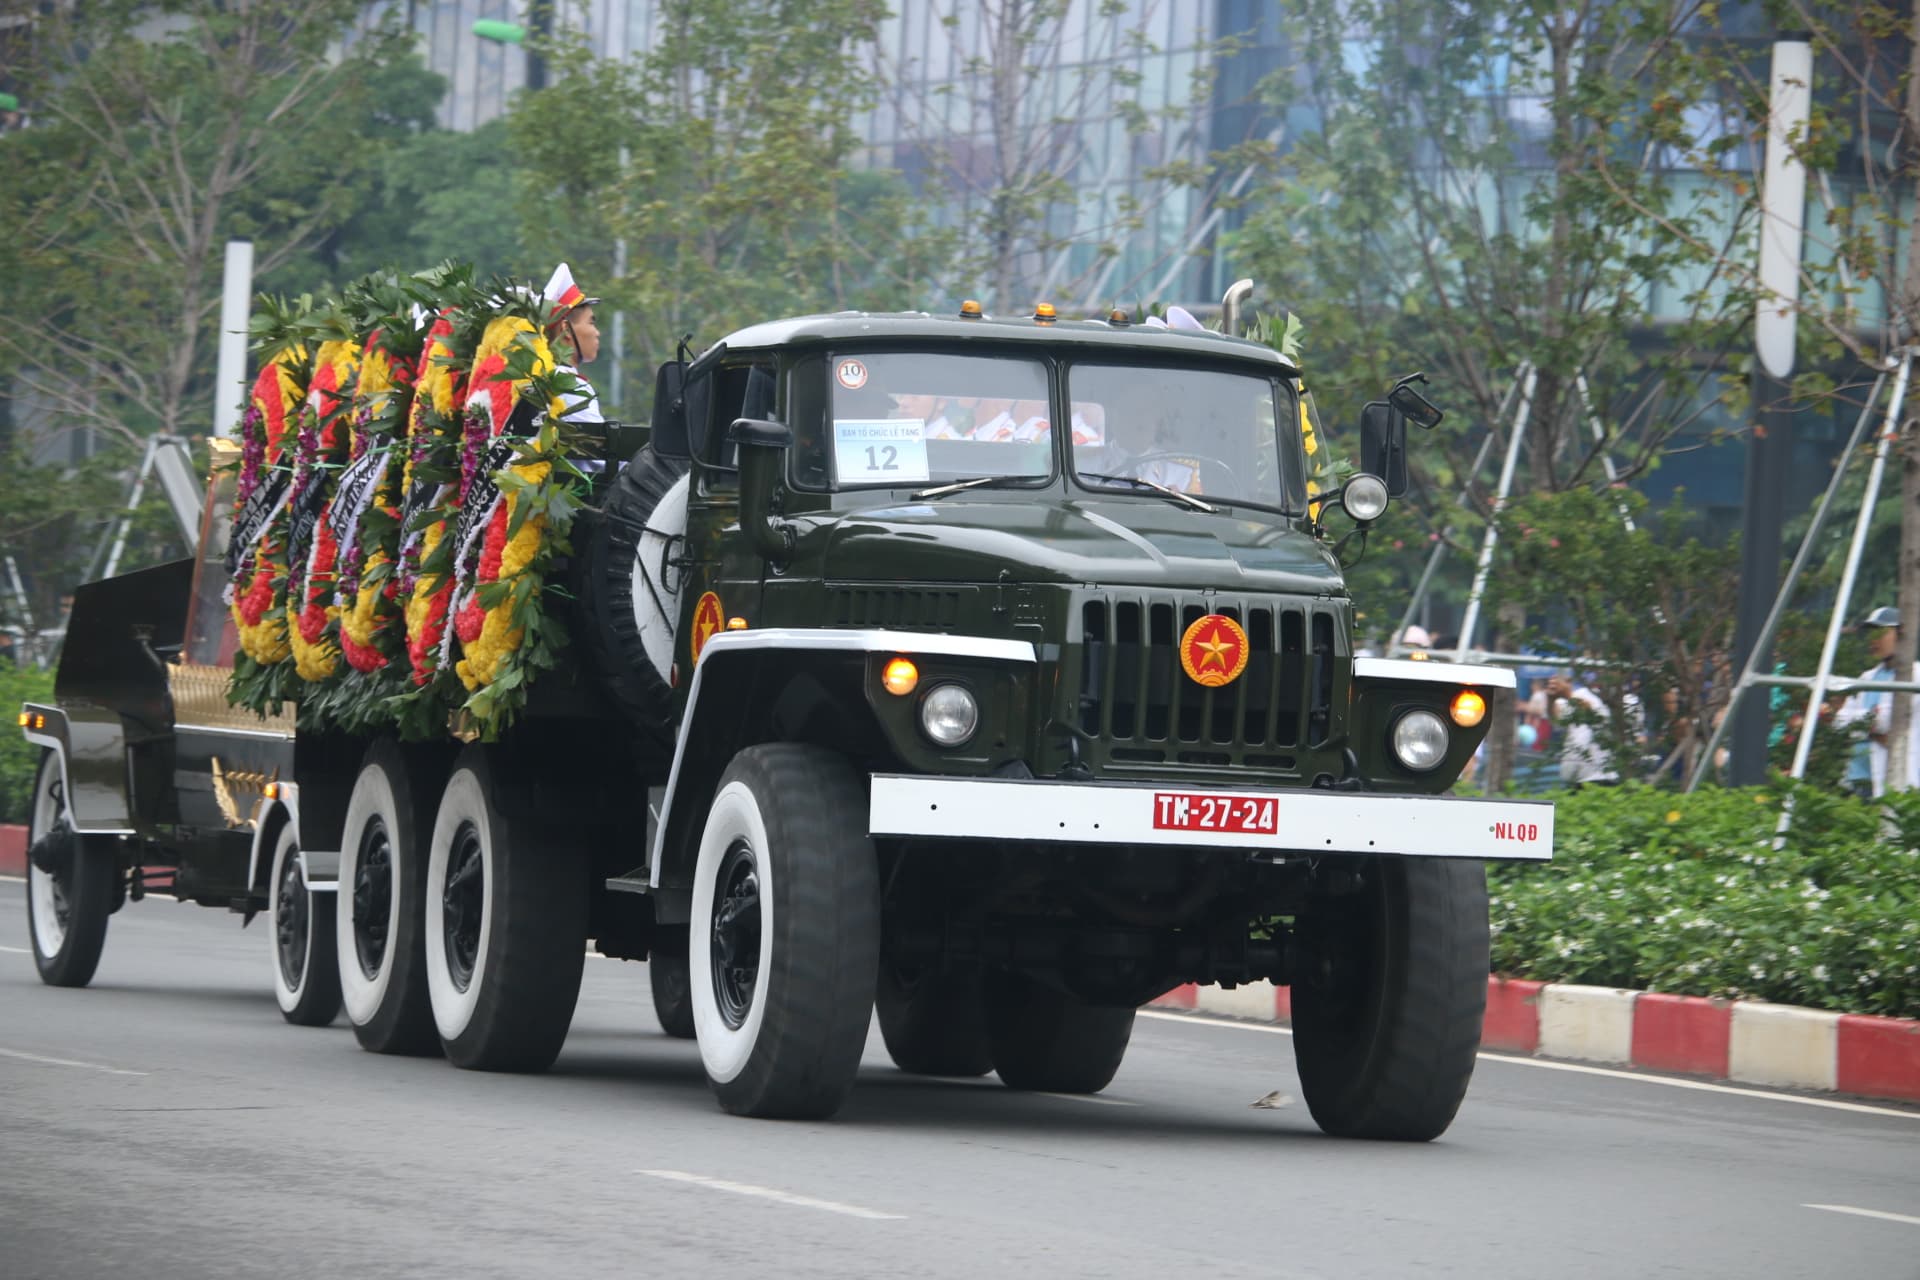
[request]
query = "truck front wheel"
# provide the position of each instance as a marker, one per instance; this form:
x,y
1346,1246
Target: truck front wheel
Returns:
x,y
1389,997
1050,1042
506,928
785,938
383,877
70,887
306,973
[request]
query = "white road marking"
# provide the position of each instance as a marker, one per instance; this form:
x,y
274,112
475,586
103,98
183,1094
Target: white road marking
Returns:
x,y
1094,1098
1544,1064
1866,1213
769,1193
66,1062
18,951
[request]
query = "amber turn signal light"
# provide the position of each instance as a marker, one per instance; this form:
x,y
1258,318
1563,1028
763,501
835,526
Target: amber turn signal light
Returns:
x,y
1468,709
901,677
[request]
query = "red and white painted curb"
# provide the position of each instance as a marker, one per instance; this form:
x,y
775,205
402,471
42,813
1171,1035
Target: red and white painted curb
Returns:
x,y
13,849
1749,1041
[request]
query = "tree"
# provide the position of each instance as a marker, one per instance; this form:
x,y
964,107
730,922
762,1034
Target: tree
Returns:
x,y
1446,215
162,130
721,158
1033,124
1859,281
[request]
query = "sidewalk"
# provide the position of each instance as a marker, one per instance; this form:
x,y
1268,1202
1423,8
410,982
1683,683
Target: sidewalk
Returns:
x,y
1747,1041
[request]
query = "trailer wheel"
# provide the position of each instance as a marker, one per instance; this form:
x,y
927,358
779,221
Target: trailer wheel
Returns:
x,y
70,886
934,1024
306,972
785,941
506,928
377,916
1389,997
672,992
1050,1042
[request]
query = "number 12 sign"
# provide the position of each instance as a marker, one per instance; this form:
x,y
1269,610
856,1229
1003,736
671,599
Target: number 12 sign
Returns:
x,y
880,450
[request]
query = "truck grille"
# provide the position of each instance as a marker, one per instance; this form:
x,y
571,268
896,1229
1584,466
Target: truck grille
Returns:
x,y
1134,695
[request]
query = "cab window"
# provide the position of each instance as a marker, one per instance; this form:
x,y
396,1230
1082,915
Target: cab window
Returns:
x,y
908,418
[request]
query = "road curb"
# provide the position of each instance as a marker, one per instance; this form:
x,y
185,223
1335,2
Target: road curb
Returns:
x,y
1748,1041
13,849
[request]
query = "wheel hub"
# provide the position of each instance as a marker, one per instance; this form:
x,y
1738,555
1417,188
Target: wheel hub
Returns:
x,y
372,898
735,945
462,904
291,923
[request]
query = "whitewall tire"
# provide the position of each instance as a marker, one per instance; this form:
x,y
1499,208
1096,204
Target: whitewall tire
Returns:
x,y
306,975
506,925
784,943
68,905
378,911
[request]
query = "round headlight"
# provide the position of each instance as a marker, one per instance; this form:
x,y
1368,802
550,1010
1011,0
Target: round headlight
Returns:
x,y
949,715
1365,498
1420,740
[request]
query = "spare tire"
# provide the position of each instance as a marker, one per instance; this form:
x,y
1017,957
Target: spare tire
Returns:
x,y
630,592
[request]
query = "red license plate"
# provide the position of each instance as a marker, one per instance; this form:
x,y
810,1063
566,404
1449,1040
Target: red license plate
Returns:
x,y
1197,811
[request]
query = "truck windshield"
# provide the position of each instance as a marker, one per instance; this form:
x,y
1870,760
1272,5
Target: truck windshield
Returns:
x,y
1202,432
918,418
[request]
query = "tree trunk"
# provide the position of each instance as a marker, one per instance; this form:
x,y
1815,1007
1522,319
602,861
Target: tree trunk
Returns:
x,y
1500,735
1899,731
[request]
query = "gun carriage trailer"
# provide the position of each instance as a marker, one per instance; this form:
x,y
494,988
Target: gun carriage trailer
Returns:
x,y
993,673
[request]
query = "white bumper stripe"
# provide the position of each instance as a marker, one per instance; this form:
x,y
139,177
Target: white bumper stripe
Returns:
x,y
1305,821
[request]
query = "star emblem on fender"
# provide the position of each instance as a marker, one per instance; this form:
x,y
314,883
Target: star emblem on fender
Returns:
x,y
1213,650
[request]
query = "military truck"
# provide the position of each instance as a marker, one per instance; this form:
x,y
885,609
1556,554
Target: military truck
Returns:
x,y
997,674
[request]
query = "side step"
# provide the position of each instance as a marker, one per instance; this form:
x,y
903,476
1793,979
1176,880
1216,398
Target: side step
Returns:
x,y
638,880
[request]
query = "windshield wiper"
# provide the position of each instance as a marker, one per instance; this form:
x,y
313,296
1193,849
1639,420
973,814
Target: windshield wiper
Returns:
x,y
1164,490
978,482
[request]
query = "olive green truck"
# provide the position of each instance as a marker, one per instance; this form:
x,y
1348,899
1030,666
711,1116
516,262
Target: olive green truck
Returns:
x,y
993,673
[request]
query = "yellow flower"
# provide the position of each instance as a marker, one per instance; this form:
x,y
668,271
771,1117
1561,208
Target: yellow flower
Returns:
x,y
1673,816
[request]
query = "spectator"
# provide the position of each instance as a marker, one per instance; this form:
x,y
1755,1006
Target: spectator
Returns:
x,y
1867,770
1680,742
1585,757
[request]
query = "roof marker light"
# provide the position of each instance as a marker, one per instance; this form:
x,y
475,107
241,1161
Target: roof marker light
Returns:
x,y
1119,318
1044,314
970,309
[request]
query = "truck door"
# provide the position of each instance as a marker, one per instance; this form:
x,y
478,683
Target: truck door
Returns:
x,y
725,575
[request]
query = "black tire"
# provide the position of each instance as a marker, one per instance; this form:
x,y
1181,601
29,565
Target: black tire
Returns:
x,y
379,912
1389,997
1047,1041
306,970
787,883
68,906
672,995
506,927
935,1024
610,631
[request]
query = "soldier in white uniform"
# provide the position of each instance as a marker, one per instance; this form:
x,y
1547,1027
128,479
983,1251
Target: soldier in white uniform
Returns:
x,y
571,327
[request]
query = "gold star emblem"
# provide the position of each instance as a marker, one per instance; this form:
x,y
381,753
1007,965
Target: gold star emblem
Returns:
x,y
1216,650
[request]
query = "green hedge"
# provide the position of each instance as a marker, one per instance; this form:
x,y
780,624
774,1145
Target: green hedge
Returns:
x,y
18,758
1665,892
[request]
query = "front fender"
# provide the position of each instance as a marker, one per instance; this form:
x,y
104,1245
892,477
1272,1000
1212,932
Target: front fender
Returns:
x,y
736,696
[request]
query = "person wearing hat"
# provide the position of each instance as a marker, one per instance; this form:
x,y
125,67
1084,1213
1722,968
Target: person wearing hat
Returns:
x,y
571,328
1867,769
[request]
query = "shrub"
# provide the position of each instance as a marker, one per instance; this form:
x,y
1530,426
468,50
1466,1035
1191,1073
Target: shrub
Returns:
x,y
1686,894
18,757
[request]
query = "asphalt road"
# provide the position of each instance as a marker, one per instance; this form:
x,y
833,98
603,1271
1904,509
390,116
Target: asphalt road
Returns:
x,y
166,1123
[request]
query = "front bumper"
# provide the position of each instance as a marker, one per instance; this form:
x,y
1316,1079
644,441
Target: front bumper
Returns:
x,y
1279,821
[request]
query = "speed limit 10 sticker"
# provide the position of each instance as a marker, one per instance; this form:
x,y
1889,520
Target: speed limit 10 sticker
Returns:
x,y
851,374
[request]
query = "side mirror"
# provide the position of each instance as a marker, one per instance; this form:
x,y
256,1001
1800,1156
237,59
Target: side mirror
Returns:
x,y
1420,411
669,434
763,445
1383,446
